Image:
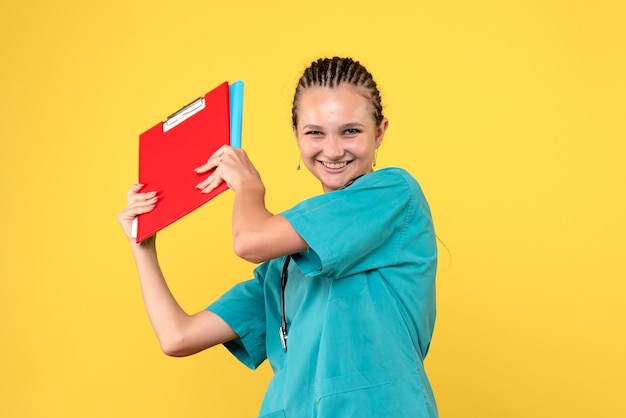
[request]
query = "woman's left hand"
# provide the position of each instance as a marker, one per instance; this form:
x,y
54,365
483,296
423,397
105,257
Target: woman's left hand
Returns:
x,y
232,166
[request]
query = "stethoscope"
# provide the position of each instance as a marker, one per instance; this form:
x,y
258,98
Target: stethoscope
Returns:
x,y
284,276
283,323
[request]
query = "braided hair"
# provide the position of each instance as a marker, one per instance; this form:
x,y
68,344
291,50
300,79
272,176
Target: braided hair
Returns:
x,y
333,72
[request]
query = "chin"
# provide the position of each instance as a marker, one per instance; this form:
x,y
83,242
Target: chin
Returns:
x,y
336,185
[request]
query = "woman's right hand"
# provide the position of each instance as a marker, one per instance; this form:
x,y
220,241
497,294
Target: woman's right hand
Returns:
x,y
233,167
138,203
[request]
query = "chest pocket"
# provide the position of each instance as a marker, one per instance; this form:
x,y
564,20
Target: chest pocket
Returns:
x,y
348,287
355,395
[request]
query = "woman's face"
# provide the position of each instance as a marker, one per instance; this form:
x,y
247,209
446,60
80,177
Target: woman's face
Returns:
x,y
337,134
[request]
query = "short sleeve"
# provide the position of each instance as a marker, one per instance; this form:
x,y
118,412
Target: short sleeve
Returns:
x,y
355,229
242,308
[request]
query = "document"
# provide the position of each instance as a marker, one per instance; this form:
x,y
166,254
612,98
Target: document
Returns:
x,y
170,150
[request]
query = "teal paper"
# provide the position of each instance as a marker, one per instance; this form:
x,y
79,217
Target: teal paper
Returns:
x,y
236,113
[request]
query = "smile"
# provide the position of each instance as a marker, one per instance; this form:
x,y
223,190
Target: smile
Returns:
x,y
335,165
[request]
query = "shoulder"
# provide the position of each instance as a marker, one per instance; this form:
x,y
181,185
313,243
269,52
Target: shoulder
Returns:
x,y
392,179
392,175
369,193
398,186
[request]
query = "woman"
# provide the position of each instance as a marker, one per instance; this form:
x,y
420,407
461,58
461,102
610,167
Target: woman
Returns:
x,y
343,304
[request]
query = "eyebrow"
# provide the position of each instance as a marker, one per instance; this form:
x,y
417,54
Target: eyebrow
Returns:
x,y
315,127
344,126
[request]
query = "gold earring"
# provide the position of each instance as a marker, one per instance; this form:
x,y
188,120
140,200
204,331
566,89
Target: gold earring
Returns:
x,y
375,155
299,161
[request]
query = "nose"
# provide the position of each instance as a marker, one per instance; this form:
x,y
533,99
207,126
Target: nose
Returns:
x,y
333,148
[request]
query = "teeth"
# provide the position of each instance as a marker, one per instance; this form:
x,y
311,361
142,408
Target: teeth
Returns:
x,y
335,165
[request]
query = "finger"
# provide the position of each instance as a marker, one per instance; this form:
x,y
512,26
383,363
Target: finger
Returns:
x,y
210,183
211,163
134,196
129,214
205,167
144,199
137,208
204,183
144,208
214,160
134,189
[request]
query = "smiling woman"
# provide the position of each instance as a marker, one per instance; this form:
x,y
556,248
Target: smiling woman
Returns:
x,y
346,326
337,135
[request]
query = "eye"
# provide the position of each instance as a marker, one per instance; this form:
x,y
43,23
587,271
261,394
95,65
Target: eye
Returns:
x,y
313,133
352,131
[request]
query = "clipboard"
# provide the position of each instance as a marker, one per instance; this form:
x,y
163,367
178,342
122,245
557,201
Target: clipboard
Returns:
x,y
170,150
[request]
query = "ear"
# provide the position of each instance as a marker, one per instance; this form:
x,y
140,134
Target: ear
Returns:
x,y
380,131
295,134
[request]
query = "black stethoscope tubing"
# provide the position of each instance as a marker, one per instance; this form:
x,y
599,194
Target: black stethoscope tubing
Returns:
x,y
283,284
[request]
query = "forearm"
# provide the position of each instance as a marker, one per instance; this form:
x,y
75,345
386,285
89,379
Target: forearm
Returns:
x,y
259,235
179,334
165,314
250,220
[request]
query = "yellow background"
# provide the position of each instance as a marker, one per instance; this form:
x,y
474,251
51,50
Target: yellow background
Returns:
x,y
509,113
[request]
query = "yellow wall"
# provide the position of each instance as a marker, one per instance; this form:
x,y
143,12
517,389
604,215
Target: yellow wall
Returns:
x,y
510,114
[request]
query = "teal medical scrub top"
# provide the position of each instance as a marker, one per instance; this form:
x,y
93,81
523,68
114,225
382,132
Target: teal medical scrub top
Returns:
x,y
359,303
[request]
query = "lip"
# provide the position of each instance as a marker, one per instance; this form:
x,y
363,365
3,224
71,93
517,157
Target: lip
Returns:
x,y
331,165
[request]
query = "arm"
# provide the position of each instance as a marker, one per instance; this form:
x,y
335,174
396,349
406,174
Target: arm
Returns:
x,y
258,235
179,334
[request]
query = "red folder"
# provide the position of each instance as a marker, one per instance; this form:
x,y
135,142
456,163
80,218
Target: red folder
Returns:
x,y
168,153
